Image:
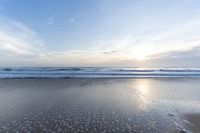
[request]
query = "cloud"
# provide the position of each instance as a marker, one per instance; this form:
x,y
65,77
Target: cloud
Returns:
x,y
17,40
21,46
50,20
178,58
71,20
110,52
176,46
146,40
190,53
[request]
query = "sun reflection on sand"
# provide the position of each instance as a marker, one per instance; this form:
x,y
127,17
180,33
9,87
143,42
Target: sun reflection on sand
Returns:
x,y
142,88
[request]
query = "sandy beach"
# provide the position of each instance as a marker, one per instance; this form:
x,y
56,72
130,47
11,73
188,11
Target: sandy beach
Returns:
x,y
194,122
140,105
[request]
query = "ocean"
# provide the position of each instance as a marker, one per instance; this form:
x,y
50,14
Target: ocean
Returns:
x,y
95,72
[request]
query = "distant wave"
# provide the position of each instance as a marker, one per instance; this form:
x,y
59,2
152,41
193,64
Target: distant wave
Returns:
x,y
95,72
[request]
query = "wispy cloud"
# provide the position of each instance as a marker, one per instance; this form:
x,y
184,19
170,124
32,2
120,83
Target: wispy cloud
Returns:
x,y
174,38
71,20
19,44
178,54
50,20
16,39
175,45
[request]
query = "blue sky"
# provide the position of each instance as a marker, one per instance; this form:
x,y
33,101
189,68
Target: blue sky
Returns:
x,y
143,33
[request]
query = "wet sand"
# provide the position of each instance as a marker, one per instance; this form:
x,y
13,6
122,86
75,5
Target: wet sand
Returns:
x,y
141,105
193,122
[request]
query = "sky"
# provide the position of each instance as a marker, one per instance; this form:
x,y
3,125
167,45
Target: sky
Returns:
x,y
131,33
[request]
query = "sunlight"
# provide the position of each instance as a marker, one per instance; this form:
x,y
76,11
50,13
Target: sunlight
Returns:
x,y
140,56
142,86
142,89
142,53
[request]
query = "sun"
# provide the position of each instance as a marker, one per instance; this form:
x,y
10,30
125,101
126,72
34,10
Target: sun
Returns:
x,y
140,56
142,53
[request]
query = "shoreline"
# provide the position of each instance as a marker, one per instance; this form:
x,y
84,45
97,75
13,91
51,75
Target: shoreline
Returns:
x,y
79,78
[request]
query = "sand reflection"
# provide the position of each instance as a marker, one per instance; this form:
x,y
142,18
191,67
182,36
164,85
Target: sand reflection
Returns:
x,y
142,86
142,89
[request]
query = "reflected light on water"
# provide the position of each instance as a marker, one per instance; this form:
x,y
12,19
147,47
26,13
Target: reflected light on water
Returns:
x,y
142,88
